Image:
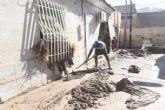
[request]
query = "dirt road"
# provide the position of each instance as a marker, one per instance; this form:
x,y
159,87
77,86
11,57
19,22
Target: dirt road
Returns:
x,y
151,76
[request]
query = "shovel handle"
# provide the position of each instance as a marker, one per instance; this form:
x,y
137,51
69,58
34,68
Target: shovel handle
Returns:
x,y
84,62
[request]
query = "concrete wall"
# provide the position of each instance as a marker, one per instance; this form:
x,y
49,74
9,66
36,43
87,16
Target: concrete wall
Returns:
x,y
134,20
151,19
82,27
19,32
154,34
19,68
114,21
146,26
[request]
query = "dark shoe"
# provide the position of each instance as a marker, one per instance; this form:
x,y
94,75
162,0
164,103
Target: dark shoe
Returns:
x,y
110,72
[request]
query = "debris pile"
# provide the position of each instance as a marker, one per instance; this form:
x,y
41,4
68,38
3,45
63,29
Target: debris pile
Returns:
x,y
134,69
155,50
133,53
139,52
123,84
87,94
143,96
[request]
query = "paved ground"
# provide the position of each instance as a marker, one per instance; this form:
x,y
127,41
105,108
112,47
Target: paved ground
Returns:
x,y
152,76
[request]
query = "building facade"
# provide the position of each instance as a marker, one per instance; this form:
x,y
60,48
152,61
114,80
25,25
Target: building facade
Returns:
x,y
125,11
25,24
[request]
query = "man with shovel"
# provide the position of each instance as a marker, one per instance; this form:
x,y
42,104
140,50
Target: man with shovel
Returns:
x,y
100,49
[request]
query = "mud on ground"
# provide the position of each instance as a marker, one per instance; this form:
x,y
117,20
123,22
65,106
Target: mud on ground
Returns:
x,y
83,96
99,86
89,91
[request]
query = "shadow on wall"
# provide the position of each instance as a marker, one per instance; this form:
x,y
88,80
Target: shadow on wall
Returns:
x,y
79,33
160,62
30,32
31,37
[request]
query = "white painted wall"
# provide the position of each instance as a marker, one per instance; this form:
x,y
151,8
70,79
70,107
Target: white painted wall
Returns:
x,y
114,20
79,13
19,68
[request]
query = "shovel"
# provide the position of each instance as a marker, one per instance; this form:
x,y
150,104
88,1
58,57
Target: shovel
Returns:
x,y
82,64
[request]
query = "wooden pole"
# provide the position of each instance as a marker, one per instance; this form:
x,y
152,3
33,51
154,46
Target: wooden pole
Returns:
x,y
125,27
130,35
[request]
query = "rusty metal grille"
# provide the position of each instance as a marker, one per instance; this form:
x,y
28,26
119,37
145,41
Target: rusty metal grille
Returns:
x,y
52,21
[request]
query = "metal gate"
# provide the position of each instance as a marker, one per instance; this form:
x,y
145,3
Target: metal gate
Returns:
x,y
52,23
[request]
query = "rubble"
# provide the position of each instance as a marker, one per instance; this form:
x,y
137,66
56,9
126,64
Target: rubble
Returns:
x,y
133,52
99,86
134,69
87,94
123,84
139,52
155,50
143,96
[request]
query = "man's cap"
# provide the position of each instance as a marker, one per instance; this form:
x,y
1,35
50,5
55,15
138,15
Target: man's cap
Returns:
x,y
96,44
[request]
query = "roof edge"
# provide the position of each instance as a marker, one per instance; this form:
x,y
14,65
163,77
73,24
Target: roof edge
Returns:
x,y
102,4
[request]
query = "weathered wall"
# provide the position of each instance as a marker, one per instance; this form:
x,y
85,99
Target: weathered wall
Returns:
x,y
134,20
75,28
83,26
155,34
146,26
19,68
114,21
18,31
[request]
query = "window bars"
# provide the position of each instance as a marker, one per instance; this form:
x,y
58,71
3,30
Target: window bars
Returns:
x,y
53,27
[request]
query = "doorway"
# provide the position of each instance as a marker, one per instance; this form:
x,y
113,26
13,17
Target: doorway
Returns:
x,y
104,35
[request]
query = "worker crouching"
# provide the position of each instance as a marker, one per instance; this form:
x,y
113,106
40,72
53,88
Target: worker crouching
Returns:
x,y
100,49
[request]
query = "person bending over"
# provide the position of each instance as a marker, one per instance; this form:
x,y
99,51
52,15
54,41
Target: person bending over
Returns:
x,y
100,49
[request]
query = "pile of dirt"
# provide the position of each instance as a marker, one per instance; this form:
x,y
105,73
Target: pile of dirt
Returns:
x,y
139,52
99,86
155,50
134,69
123,84
133,52
142,96
87,94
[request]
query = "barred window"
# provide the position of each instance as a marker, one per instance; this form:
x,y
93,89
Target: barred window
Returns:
x,y
53,28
